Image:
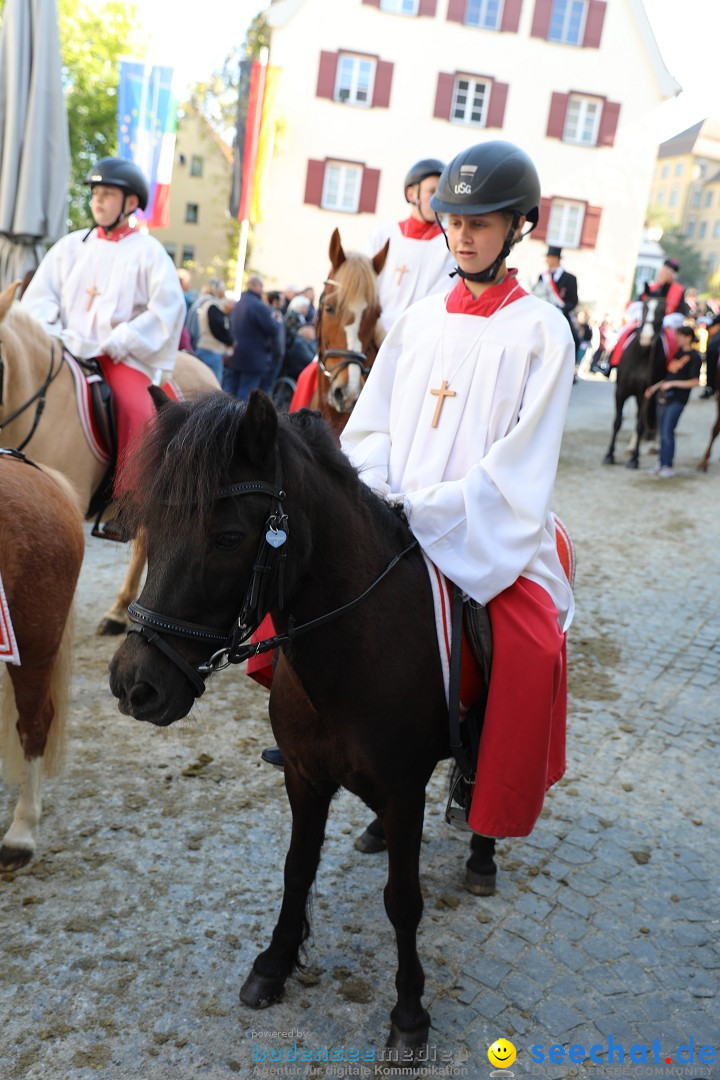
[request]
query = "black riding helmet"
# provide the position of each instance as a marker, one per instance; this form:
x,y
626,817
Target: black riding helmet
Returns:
x,y
120,173
488,177
421,170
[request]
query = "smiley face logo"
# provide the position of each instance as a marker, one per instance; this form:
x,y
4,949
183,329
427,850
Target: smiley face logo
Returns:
x,y
501,1054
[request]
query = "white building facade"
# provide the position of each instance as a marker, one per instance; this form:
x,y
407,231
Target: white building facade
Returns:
x,y
368,87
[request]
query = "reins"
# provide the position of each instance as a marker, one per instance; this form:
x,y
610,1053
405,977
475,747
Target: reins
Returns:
x,y
268,571
39,395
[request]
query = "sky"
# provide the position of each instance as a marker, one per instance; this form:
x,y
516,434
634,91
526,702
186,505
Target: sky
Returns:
x,y
687,32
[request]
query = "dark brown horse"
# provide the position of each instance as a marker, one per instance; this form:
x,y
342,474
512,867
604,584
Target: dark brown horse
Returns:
x,y
643,362
41,551
270,515
349,332
705,459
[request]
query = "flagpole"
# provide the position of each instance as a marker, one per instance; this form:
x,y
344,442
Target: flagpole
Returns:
x,y
248,168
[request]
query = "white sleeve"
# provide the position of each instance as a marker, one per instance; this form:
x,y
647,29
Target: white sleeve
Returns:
x,y
41,299
154,334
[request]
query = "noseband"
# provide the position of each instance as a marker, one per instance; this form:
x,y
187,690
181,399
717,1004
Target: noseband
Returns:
x,y
268,571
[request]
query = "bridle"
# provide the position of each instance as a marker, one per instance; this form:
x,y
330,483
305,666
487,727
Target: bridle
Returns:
x,y
347,357
39,395
267,577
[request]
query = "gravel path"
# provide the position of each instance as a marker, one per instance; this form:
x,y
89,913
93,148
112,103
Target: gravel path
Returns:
x,y
159,867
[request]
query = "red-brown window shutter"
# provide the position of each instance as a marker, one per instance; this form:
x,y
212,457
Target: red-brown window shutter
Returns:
x,y
383,82
456,10
511,16
594,24
427,7
556,116
540,230
591,226
496,107
372,3
327,74
608,123
314,182
541,18
443,95
369,191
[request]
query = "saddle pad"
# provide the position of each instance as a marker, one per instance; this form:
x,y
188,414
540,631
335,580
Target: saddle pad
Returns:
x,y
85,409
8,645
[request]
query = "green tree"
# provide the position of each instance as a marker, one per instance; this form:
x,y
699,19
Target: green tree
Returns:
x,y
677,246
93,37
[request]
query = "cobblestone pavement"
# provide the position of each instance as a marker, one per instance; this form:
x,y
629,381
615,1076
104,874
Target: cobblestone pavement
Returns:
x,y
159,868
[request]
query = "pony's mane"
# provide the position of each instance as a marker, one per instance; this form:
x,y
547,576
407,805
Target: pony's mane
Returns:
x,y
188,452
357,281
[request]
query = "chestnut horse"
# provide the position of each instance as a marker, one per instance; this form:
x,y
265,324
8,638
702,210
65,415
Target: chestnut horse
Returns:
x,y
270,515
37,388
349,332
41,551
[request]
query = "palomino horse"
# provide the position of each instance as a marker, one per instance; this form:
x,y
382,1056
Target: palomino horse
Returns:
x,y
271,516
705,459
348,331
643,362
41,551
38,412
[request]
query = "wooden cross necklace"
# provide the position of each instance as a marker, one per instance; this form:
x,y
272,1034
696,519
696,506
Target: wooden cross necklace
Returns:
x,y
443,391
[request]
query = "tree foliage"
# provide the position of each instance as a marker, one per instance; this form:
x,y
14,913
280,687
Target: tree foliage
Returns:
x,y
676,245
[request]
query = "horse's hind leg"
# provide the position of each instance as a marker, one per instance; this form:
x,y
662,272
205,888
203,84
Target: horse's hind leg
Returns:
x,y
410,1022
264,984
705,459
35,714
115,620
481,870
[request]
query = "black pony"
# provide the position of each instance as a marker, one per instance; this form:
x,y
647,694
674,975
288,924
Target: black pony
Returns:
x,y
243,514
642,363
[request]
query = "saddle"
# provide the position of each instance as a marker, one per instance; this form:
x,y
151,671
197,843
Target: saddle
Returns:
x,y
102,418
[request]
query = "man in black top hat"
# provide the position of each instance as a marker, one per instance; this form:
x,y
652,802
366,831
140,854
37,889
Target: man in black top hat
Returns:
x,y
667,285
560,288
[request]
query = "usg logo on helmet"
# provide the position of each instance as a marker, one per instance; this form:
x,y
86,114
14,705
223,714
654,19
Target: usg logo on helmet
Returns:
x,y
463,188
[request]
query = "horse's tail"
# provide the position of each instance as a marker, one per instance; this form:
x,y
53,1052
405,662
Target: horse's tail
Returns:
x,y
11,753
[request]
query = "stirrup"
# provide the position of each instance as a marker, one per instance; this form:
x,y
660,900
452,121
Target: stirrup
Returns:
x,y
457,810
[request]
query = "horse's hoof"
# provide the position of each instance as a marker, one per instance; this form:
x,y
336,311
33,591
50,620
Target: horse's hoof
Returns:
x,y
480,884
701,466
14,858
370,844
608,459
111,627
632,464
404,1049
259,991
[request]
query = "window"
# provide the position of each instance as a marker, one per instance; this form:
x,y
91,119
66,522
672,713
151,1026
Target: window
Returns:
x,y
470,101
171,250
399,7
188,254
696,198
582,120
341,187
703,169
665,172
708,199
565,224
716,230
674,194
567,22
483,13
702,231
355,78
661,197
192,211
690,231
679,169
196,165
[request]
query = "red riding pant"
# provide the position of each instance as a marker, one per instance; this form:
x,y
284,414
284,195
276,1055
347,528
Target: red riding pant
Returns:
x,y
133,408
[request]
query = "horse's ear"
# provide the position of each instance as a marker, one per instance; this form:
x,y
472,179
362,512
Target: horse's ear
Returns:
x,y
337,255
258,431
379,260
159,397
7,296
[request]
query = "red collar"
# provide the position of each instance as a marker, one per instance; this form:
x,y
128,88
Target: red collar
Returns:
x,y
418,230
462,302
117,234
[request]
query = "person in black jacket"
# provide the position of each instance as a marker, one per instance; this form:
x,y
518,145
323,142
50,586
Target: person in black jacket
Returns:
x,y
560,288
712,351
256,332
